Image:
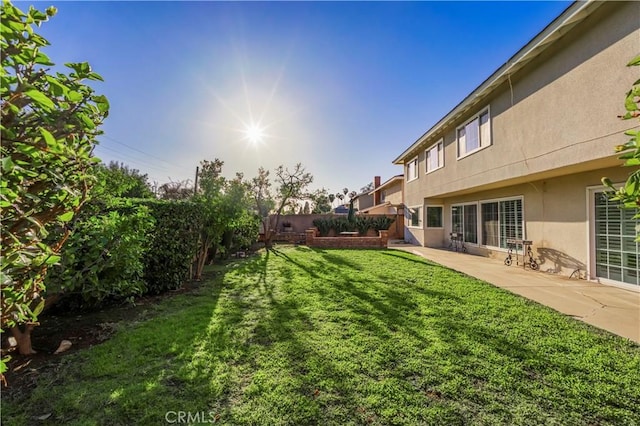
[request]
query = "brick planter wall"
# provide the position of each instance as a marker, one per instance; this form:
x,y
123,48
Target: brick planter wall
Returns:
x,y
312,240
289,237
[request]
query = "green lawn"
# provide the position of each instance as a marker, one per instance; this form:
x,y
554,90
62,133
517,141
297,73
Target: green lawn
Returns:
x,y
334,337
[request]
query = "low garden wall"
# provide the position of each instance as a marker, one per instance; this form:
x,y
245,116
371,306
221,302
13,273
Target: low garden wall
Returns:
x,y
313,240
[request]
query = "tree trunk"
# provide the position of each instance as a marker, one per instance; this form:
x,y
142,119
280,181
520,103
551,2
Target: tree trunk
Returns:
x,y
201,261
23,338
268,236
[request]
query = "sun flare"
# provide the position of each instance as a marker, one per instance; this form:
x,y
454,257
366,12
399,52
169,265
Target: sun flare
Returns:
x,y
254,134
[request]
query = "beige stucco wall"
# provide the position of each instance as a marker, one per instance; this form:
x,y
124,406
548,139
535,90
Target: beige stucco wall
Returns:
x,y
559,115
555,216
363,201
393,193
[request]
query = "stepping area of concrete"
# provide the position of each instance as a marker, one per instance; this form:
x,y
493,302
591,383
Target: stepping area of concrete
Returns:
x,y
609,308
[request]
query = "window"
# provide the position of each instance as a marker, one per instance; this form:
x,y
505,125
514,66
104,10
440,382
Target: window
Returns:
x,y
464,220
414,217
617,253
383,195
434,216
474,135
501,220
435,157
412,169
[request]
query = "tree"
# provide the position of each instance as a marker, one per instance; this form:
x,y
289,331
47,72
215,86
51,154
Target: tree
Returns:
x,y
321,201
223,203
117,180
49,127
292,187
260,190
629,194
367,188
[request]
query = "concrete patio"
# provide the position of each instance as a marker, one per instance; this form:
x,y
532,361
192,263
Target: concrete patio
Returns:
x,y
609,308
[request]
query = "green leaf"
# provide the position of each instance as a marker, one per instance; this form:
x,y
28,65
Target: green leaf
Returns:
x,y
7,165
102,103
634,61
48,137
52,259
632,162
42,59
66,217
607,182
38,309
40,99
74,96
87,121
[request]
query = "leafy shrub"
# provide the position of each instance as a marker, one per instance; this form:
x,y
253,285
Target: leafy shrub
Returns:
x,y
246,230
341,224
173,244
49,127
103,257
323,225
382,223
364,223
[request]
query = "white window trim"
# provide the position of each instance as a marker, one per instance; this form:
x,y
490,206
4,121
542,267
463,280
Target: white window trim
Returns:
x,y
591,230
420,220
497,200
426,158
407,167
441,219
478,222
487,109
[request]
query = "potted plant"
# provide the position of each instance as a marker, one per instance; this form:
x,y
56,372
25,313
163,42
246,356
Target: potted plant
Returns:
x,y
287,227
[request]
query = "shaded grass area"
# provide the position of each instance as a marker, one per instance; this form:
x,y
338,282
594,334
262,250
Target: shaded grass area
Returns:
x,y
301,336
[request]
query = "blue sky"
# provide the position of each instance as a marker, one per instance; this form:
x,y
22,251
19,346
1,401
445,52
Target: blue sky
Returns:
x,y
341,87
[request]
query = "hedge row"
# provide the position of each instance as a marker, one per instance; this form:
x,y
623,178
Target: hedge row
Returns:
x,y
125,249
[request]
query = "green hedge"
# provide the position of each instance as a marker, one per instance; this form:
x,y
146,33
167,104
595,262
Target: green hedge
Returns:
x,y
103,256
173,245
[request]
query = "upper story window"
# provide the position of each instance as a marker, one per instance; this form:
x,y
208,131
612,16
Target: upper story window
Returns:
x,y
475,135
383,195
412,169
435,157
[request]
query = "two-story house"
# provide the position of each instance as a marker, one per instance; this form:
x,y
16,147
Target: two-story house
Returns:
x,y
522,156
387,197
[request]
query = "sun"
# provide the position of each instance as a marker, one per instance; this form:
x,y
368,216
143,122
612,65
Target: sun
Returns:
x,y
254,133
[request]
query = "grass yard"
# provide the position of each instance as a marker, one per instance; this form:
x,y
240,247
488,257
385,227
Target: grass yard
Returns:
x,y
335,337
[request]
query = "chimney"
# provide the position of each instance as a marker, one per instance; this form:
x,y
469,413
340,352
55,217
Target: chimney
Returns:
x,y
376,195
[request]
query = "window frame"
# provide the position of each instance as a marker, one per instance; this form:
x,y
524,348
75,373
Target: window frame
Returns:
x,y
480,147
407,178
471,203
426,216
440,153
419,214
498,200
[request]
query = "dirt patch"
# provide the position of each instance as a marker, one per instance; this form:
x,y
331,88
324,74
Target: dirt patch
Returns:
x,y
83,330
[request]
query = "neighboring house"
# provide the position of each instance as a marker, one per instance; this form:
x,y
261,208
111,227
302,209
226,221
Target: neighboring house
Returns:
x,y
522,156
362,201
386,198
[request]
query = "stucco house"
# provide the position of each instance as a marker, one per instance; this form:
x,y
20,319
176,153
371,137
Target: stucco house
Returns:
x,y
362,201
522,156
387,198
